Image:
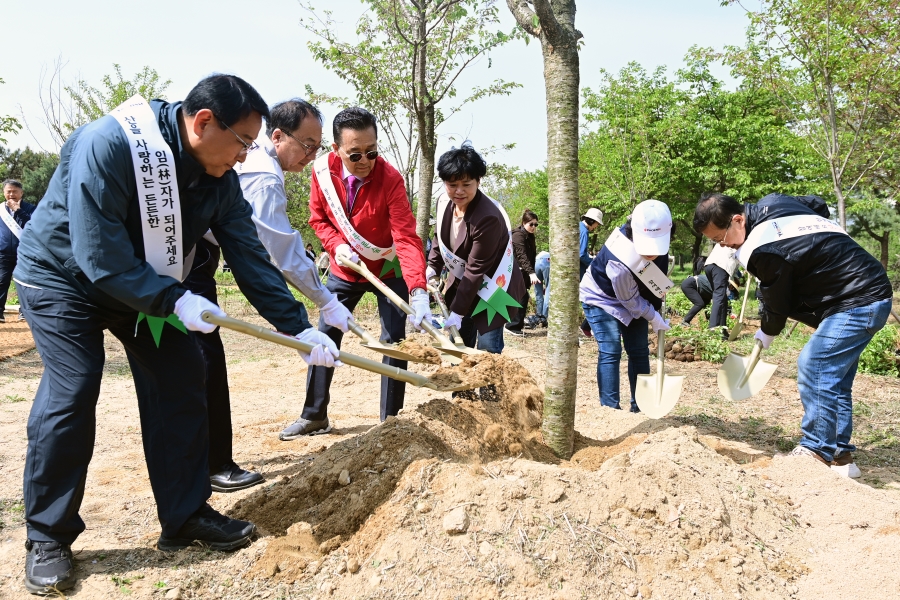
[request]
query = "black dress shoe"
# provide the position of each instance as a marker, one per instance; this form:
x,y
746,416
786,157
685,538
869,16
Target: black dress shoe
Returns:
x,y
49,567
210,529
233,478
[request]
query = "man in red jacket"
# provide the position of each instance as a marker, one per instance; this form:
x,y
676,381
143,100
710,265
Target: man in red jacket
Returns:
x,y
359,209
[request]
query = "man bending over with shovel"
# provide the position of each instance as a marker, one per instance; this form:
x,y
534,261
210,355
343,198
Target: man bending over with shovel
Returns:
x,y
812,271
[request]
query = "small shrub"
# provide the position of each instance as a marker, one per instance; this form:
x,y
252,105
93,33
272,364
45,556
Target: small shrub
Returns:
x,y
708,341
880,356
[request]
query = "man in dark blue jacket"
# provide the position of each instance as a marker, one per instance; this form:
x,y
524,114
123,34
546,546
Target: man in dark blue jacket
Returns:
x,y
88,262
15,215
809,270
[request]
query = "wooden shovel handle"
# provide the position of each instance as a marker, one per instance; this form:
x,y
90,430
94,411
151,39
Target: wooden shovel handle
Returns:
x,y
292,342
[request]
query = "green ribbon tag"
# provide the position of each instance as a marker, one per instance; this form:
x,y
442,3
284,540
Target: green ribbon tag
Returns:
x,y
497,304
156,325
391,265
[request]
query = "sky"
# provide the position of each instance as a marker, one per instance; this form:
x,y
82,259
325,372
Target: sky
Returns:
x,y
263,42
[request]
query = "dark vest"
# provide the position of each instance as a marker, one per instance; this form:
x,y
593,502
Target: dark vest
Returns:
x,y
598,272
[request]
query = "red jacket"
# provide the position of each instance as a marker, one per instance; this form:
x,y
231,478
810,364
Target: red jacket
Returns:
x,y
381,214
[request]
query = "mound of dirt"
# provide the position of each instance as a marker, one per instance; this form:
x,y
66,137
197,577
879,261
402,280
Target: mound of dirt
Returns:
x,y
428,499
419,345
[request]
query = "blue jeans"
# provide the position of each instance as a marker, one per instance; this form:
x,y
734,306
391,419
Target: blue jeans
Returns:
x,y
825,372
491,341
542,288
610,334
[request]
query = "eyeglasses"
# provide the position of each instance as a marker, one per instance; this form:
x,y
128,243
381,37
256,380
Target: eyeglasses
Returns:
x,y
247,147
357,156
724,235
309,149
532,224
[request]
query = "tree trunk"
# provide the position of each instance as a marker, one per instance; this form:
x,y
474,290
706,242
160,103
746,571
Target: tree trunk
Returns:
x,y
428,147
885,255
561,78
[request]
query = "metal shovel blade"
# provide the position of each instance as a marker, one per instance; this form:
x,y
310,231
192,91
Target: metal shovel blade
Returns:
x,y
656,395
735,331
742,377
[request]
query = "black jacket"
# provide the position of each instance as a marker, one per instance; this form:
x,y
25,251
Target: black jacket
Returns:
x,y
810,277
525,249
9,243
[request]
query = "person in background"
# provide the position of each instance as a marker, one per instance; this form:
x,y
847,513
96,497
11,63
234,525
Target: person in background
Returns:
x,y
542,289
472,241
525,250
590,221
310,253
810,270
699,292
617,293
14,215
720,268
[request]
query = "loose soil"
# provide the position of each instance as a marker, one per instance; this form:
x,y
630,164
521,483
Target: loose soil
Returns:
x,y
460,498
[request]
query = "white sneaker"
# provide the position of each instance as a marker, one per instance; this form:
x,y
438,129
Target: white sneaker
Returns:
x,y
804,451
843,465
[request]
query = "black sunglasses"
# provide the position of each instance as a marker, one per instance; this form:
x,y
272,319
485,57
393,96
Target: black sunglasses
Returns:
x,y
357,156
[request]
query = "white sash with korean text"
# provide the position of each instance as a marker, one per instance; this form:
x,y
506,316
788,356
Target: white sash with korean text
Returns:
x,y
359,244
10,222
502,275
645,270
783,228
157,187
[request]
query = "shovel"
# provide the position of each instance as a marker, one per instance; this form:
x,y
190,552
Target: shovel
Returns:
x,y
345,357
736,330
741,377
657,394
439,298
373,343
444,343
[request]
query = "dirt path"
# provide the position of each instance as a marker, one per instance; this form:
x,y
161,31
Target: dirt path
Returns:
x,y
688,506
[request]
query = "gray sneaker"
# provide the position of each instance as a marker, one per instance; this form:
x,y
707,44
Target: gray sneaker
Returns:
x,y
303,427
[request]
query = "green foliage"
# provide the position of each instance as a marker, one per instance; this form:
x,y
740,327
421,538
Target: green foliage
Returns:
x,y
8,124
297,188
712,348
33,169
517,190
678,302
881,355
94,103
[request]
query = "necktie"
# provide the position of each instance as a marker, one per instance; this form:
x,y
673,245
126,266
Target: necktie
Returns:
x,y
352,187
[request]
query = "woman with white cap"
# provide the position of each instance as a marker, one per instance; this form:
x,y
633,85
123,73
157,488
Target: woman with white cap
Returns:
x,y
621,293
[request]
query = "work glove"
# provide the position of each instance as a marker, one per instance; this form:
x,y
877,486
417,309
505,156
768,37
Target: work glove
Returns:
x,y
657,323
534,279
454,320
336,314
324,352
421,309
765,338
347,252
188,309
430,273
433,279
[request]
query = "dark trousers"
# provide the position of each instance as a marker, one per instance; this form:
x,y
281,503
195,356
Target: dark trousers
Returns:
x,y
698,299
718,279
202,281
7,264
518,321
393,329
68,331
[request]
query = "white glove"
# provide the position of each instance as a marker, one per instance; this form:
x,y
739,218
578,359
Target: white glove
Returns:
x,y
657,323
336,314
765,338
430,273
347,252
324,352
454,320
534,279
421,309
189,307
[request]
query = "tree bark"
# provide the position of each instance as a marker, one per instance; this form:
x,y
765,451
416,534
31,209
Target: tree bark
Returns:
x,y
427,149
559,47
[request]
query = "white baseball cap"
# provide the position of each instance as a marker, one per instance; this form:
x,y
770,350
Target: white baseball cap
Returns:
x,y
651,228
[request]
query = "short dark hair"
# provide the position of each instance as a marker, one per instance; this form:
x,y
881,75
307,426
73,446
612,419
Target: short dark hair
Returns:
x,y
288,115
462,162
528,216
229,97
355,118
13,182
588,221
715,208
